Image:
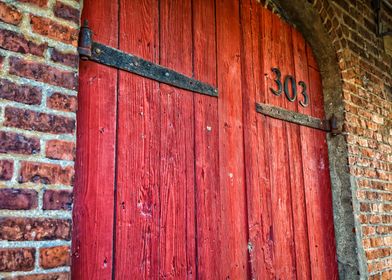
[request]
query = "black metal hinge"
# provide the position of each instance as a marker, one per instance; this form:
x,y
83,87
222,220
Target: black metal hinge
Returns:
x,y
298,118
90,50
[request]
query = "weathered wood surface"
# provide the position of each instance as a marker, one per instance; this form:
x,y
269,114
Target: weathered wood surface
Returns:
x,y
93,214
207,190
138,204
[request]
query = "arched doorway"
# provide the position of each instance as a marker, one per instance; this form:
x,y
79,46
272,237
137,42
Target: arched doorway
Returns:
x,y
174,184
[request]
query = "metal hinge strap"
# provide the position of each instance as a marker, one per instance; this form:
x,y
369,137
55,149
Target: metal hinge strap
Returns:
x,y
298,118
90,50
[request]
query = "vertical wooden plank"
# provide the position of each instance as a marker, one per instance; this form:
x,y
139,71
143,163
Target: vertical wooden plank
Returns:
x,y
256,165
233,231
265,147
206,143
96,137
318,187
177,210
299,71
282,235
137,219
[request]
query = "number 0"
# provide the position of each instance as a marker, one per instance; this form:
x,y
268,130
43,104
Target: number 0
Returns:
x,y
290,80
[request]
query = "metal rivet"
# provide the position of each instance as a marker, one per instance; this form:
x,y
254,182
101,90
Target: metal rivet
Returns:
x,y
97,51
167,74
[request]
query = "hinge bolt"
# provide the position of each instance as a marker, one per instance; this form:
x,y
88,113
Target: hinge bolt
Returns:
x,y
85,41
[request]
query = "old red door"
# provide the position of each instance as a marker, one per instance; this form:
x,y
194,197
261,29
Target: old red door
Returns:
x,y
172,184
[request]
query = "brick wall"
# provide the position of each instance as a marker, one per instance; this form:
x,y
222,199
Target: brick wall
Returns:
x,y
38,83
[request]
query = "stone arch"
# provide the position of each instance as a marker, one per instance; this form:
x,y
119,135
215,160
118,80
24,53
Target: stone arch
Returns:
x,y
317,22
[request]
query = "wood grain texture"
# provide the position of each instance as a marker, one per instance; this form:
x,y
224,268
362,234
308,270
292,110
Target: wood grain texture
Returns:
x,y
256,165
95,165
138,164
207,189
233,233
177,252
265,148
296,163
282,227
318,187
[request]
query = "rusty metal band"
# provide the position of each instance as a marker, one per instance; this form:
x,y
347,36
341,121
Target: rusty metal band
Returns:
x,y
90,50
293,117
131,63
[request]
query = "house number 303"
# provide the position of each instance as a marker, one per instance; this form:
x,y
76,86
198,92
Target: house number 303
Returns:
x,y
289,85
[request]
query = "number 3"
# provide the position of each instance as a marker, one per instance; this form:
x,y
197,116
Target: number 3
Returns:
x,y
278,82
305,103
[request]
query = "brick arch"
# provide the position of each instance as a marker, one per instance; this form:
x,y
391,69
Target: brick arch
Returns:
x,y
317,21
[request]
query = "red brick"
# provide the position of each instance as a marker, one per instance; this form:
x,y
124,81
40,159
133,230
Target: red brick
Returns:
x,y
54,30
57,200
63,102
20,93
46,173
66,12
48,276
21,259
379,253
32,120
374,277
16,143
10,14
6,170
69,59
57,149
16,42
18,199
43,73
386,275
54,257
34,229
39,3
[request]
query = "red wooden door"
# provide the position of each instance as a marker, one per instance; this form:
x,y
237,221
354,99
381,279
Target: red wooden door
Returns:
x,y
172,184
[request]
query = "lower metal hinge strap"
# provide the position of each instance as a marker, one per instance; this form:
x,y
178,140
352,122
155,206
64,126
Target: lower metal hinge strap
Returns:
x,y
295,117
90,50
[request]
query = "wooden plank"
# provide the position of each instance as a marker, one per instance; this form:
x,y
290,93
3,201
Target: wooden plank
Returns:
x,y
256,165
177,250
296,164
318,188
94,189
206,143
233,231
282,235
137,208
265,148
